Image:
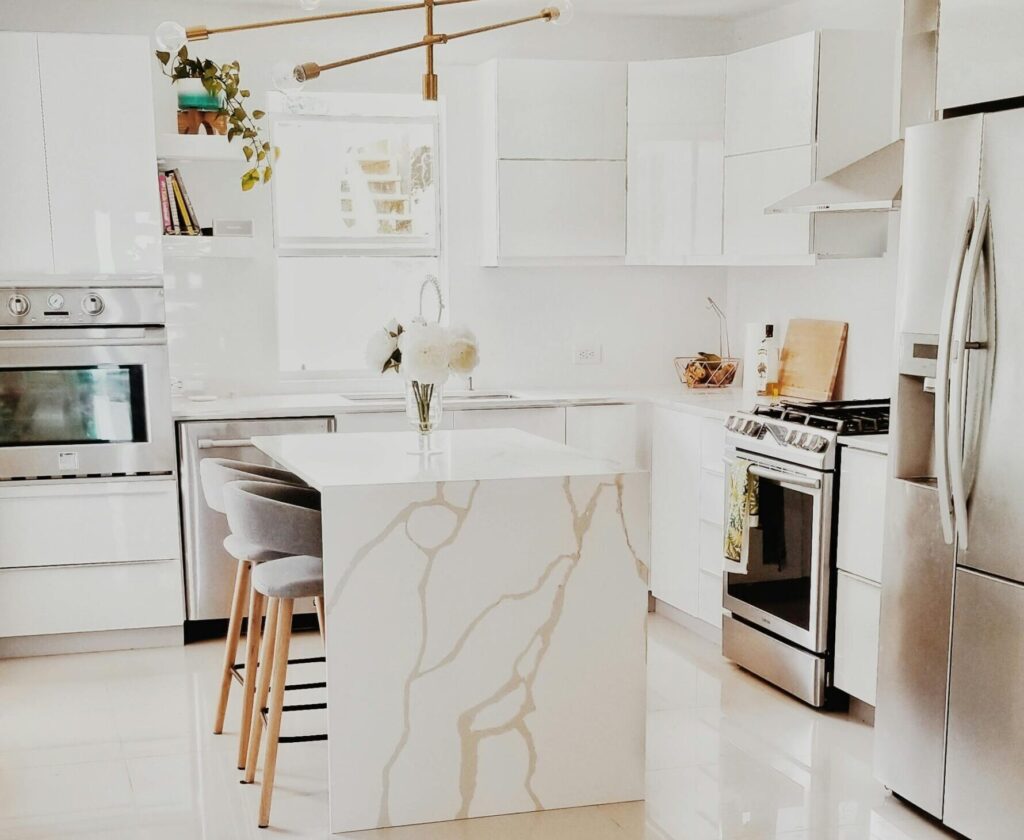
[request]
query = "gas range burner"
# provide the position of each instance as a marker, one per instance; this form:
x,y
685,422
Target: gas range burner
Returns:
x,y
844,417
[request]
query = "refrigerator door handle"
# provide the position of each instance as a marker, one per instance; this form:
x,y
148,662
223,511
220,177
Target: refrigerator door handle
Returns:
x,y
942,375
958,363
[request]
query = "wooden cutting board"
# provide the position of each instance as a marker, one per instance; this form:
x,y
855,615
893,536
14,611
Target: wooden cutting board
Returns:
x,y
809,363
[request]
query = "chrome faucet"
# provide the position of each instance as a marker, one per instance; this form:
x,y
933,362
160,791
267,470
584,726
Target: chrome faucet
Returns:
x,y
432,281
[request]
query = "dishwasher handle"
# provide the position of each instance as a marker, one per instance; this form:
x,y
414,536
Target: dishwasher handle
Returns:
x,y
785,478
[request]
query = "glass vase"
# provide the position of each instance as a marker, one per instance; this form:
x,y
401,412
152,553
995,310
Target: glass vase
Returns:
x,y
423,407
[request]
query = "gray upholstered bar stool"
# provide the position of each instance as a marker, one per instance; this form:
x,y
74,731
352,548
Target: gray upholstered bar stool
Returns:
x,y
215,474
286,519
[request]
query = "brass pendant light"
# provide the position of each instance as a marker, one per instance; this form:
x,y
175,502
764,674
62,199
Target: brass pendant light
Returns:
x,y
171,36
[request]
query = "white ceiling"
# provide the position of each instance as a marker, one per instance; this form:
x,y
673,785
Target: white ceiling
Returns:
x,y
663,8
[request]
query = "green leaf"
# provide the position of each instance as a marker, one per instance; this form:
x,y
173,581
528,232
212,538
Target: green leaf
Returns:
x,y
260,155
277,152
267,172
183,53
247,184
258,115
238,113
244,93
248,152
249,134
163,56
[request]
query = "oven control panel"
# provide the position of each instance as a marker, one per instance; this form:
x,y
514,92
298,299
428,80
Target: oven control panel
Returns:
x,y
785,441
40,307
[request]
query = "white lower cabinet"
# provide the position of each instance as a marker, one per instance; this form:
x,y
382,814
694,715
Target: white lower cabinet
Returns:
x,y
91,555
857,610
383,421
687,513
544,422
608,431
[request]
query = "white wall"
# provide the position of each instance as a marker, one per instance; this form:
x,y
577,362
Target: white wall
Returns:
x,y
222,319
861,292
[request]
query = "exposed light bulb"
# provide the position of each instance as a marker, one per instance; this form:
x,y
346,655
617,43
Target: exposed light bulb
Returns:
x,y
309,5
284,77
170,36
563,12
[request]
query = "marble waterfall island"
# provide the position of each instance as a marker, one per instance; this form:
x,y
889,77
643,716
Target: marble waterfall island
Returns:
x,y
486,624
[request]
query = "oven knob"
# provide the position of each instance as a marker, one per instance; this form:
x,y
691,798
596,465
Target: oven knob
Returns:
x,y
55,301
793,438
18,305
820,444
92,304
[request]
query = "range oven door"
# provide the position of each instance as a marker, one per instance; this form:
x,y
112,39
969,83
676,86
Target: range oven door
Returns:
x,y
786,588
82,402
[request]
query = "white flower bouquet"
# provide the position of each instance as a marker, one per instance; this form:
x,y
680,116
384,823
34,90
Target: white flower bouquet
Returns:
x,y
425,355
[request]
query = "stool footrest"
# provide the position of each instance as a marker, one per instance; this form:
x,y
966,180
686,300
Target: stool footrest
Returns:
x,y
299,739
305,686
297,707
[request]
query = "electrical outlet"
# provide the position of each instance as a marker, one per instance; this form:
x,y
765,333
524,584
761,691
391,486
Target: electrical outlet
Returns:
x,y
586,353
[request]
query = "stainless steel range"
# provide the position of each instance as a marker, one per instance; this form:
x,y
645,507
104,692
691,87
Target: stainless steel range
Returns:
x,y
780,598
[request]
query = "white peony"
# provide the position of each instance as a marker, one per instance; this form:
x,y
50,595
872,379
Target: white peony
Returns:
x,y
464,355
380,348
425,353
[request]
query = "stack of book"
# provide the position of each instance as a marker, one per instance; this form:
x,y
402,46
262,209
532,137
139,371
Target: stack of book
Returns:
x,y
179,217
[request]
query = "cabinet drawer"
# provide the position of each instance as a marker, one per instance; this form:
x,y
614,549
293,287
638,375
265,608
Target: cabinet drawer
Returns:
x,y
82,599
544,422
857,610
860,536
711,551
83,523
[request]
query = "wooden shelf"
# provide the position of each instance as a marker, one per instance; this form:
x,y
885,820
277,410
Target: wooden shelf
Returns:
x,y
190,147
222,247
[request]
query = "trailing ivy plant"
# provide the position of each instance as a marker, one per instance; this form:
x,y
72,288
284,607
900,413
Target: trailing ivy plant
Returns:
x,y
222,81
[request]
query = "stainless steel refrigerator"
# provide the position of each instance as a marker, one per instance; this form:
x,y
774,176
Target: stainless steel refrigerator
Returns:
x,y
949,722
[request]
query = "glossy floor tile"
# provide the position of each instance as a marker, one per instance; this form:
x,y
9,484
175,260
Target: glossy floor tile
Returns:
x,y
118,745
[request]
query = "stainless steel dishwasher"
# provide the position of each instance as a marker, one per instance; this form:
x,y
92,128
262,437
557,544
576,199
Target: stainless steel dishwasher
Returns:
x,y
209,569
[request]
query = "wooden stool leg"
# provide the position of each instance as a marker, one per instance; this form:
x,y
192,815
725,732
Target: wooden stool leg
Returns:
x,y
284,636
252,650
262,689
320,618
231,644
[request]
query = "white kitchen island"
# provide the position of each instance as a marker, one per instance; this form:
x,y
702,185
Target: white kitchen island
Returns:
x,y
486,613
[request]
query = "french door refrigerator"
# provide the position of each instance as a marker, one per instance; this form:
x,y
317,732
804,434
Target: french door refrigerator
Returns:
x,y
950,707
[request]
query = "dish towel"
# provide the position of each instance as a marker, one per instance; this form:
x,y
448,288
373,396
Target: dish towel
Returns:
x,y
742,514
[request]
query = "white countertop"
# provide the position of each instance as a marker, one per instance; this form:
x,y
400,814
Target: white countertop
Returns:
x,y
710,403
380,458
867,443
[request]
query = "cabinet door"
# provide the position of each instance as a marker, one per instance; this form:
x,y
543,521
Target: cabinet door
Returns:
x,y
101,154
25,209
561,208
544,422
675,510
770,95
676,131
562,110
857,612
608,431
980,59
754,181
860,536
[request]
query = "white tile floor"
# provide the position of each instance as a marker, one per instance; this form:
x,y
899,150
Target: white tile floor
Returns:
x,y
118,746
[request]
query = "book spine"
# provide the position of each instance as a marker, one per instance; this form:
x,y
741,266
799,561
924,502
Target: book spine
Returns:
x,y
164,206
188,203
186,222
175,223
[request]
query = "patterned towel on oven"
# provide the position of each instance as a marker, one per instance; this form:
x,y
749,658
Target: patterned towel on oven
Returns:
x,y
742,514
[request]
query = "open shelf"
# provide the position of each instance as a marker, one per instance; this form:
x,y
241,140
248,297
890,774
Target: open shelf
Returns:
x,y
187,147
223,247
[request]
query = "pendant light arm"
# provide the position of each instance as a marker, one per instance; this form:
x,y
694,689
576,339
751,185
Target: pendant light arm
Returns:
x,y
201,33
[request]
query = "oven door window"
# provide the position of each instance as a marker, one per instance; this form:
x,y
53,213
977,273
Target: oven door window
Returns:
x,y
56,406
778,579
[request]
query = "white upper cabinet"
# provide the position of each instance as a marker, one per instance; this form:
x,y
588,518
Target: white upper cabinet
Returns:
x,y
980,57
800,109
25,211
770,95
100,159
561,110
554,162
562,209
676,133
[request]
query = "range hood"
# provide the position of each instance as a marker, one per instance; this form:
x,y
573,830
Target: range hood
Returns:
x,y
874,182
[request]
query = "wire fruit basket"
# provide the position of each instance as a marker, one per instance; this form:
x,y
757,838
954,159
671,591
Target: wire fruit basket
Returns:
x,y
707,371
